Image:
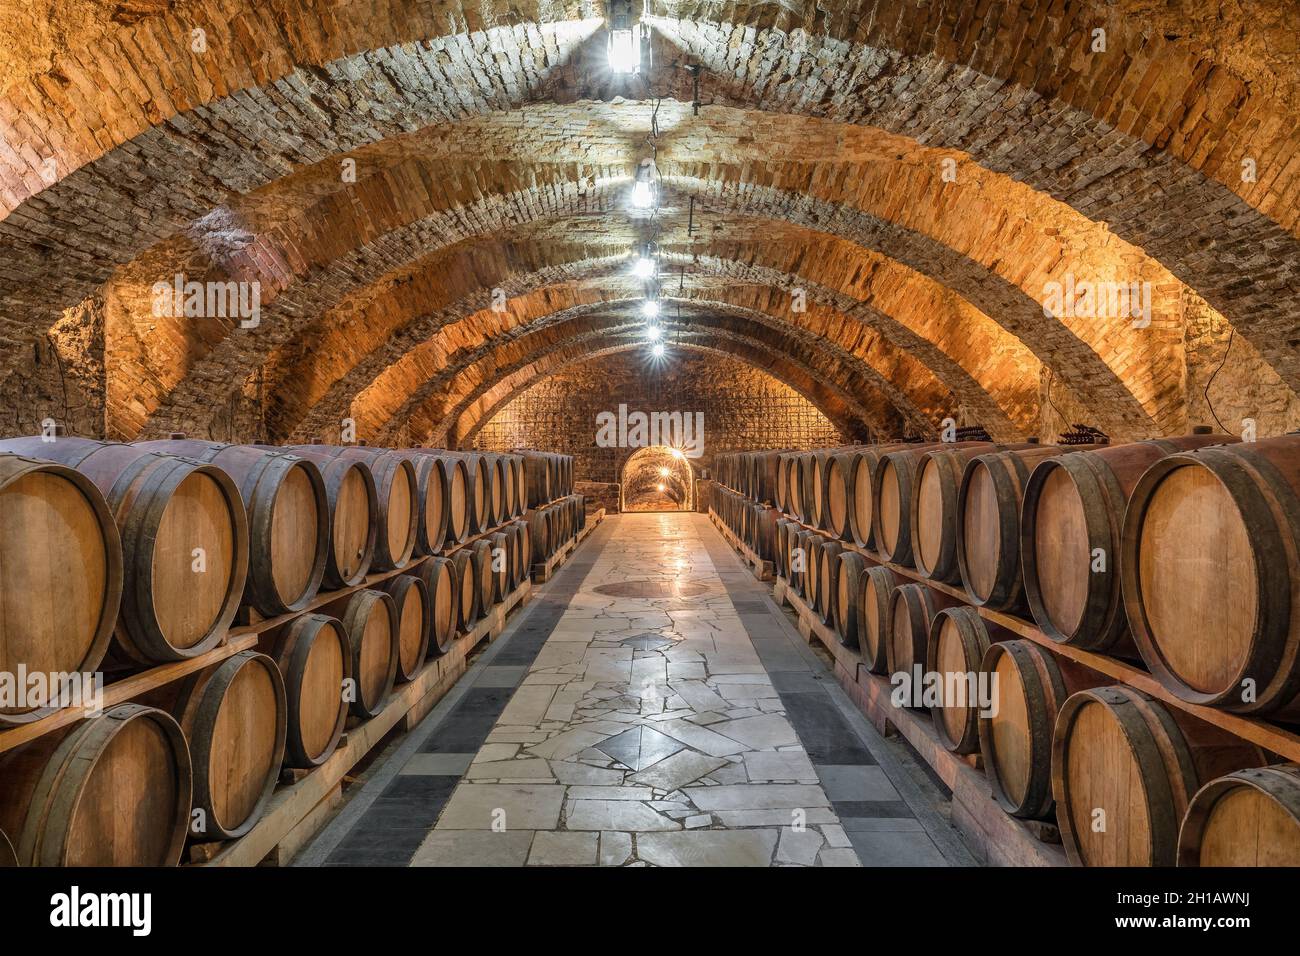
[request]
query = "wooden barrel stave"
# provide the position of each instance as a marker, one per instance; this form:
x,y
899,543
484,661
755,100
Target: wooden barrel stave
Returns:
x,y
315,661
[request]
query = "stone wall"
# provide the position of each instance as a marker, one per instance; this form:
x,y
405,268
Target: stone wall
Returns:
x,y
743,408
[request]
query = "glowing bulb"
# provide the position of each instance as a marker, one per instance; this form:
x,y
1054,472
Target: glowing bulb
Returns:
x,y
650,309
664,472
652,332
625,50
658,350
643,268
643,196
677,453
660,487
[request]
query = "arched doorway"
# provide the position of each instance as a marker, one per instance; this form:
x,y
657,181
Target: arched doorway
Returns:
x,y
657,478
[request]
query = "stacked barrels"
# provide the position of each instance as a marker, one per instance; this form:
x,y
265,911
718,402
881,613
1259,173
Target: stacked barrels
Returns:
x,y
1178,553
548,529
122,556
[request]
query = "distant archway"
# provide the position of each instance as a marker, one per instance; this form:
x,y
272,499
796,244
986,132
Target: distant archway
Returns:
x,y
657,478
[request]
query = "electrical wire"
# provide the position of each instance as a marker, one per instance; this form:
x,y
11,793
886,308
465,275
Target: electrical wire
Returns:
x,y
1205,393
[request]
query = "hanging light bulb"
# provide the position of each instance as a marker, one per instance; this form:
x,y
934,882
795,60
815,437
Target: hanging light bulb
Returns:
x,y
660,487
664,472
643,268
652,333
643,190
650,309
658,350
625,50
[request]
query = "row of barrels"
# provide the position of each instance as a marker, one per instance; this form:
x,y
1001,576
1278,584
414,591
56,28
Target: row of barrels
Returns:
x,y
1129,780
553,525
199,758
548,477
1180,552
142,553
752,523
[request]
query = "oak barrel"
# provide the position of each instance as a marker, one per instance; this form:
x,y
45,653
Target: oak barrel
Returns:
x,y
439,580
988,525
411,602
353,503
468,585
959,639
433,495
1029,685
499,555
828,579
60,574
370,619
933,516
1210,562
1125,768
874,606
913,607
112,790
483,576
184,545
398,499
235,719
848,594
893,495
860,484
1072,520
288,518
315,661
1247,818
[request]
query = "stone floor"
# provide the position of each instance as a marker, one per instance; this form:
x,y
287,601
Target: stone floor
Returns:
x,y
652,706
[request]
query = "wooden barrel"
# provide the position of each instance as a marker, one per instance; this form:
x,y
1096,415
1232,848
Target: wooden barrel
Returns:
x,y
828,580
288,518
782,489
848,595
398,502
1125,768
184,546
433,494
112,790
839,496
812,577
539,533
959,640
1247,818
60,574
859,484
933,516
1029,685
468,584
913,607
370,619
411,602
988,525
874,605
353,504
537,477
1072,521
499,554
439,577
509,487
807,495
1210,558
483,576
315,659
894,498
235,719
459,507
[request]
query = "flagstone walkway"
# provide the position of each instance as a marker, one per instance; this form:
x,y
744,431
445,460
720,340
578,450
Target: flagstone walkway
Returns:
x,y
653,710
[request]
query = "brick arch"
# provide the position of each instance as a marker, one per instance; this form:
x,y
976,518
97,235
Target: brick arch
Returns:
x,y
424,349
1277,288
392,398
547,365
1085,353
476,406
855,400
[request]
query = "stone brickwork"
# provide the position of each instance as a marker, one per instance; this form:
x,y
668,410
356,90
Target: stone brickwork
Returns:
x,y
743,408
915,175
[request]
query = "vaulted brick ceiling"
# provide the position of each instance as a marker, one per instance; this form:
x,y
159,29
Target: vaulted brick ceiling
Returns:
x,y
919,172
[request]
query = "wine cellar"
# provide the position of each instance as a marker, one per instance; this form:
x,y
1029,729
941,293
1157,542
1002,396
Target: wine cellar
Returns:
x,y
643,434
